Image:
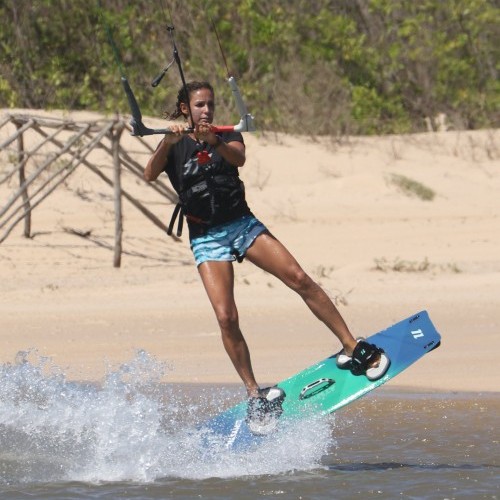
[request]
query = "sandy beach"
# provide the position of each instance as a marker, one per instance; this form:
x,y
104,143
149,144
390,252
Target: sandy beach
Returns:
x,y
381,253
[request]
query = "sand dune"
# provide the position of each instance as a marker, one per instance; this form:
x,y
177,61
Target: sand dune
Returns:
x,y
349,210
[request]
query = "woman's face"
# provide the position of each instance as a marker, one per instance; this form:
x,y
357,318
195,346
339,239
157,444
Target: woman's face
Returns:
x,y
202,106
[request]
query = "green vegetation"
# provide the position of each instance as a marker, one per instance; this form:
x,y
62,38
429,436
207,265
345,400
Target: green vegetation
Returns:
x,y
412,187
305,66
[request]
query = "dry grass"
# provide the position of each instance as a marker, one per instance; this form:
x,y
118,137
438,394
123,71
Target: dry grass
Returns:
x,y
411,266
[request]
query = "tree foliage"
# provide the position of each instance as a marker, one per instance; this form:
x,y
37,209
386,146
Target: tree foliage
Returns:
x,y
306,66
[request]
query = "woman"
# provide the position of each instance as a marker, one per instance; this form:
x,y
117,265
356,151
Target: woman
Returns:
x,y
203,169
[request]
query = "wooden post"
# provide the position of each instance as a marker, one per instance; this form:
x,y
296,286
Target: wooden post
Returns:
x,y
115,139
22,183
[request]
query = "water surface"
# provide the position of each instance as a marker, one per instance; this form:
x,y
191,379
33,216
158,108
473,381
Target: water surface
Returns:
x,y
134,436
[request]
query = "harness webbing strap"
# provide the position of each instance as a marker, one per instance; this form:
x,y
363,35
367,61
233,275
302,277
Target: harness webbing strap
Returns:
x,y
172,221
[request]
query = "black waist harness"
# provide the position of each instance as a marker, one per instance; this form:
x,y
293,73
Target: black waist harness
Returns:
x,y
207,193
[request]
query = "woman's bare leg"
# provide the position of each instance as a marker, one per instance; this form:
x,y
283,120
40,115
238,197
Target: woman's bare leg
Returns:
x,y
218,279
272,256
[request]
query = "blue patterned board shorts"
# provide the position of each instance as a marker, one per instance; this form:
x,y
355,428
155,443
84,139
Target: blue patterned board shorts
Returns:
x,y
227,242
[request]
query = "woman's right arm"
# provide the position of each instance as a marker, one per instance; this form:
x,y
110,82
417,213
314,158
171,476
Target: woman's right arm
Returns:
x,y
158,160
156,163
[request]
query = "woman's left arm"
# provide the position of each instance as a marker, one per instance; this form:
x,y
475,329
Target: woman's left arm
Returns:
x,y
233,152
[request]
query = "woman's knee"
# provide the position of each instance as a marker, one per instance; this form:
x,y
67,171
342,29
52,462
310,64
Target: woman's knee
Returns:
x,y
227,319
298,280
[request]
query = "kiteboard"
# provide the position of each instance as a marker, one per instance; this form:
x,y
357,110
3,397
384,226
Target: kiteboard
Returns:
x,y
324,387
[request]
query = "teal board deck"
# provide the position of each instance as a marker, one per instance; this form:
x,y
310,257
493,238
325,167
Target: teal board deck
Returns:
x,y
324,388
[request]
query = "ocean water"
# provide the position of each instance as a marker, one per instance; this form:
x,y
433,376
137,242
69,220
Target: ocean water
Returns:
x,y
134,436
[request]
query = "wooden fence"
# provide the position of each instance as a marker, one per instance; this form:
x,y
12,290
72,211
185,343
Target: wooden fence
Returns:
x,y
60,146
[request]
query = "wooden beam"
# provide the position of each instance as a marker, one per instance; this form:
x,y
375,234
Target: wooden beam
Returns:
x,y
70,169
115,138
121,158
64,148
152,217
137,169
30,153
22,185
17,133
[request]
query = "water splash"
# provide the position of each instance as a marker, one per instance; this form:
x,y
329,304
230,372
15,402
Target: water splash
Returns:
x,y
131,427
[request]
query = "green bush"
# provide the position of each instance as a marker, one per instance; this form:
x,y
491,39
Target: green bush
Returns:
x,y
304,66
